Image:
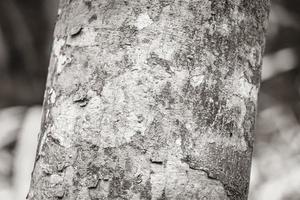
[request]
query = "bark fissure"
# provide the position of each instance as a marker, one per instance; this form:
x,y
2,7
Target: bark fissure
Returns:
x,y
210,174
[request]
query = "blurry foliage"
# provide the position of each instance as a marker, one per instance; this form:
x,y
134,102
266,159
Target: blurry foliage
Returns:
x,y
25,36
26,29
276,160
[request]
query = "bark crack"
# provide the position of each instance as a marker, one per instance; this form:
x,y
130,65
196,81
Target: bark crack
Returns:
x,y
209,175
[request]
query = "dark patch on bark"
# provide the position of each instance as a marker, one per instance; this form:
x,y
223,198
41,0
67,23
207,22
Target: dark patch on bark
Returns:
x,y
165,97
205,102
155,8
155,135
156,162
93,18
115,185
258,9
185,59
186,139
224,46
146,191
88,3
138,142
231,173
249,123
75,30
221,10
140,118
125,64
58,158
81,97
128,35
98,80
163,196
155,60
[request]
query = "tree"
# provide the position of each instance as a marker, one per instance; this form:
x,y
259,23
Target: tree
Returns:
x,y
151,100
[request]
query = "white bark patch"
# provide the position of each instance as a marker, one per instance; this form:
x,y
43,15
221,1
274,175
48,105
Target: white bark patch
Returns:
x,y
197,80
246,89
53,96
158,180
211,58
61,59
241,86
164,49
252,57
59,12
180,79
178,141
143,21
125,109
55,179
224,29
235,101
64,119
57,45
69,174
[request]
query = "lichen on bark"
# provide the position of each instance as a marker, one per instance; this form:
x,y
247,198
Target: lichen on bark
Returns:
x,y
151,100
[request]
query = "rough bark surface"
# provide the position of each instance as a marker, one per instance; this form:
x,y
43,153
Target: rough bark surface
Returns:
x,y
151,99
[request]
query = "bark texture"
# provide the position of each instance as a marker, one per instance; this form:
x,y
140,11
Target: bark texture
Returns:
x,y
151,99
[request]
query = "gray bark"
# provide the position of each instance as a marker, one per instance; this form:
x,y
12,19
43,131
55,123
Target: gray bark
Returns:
x,y
151,100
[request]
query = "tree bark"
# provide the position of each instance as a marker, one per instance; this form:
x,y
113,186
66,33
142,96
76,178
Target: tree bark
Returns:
x,y
151,100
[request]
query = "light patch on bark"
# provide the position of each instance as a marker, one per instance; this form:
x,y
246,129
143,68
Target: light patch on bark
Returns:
x,y
143,21
61,58
238,102
59,12
224,29
57,45
52,96
242,87
86,37
61,63
246,89
64,116
254,56
197,80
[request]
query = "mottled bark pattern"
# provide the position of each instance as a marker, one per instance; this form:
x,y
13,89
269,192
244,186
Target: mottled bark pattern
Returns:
x,y
151,99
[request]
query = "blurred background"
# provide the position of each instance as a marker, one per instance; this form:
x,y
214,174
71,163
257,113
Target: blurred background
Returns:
x,y
26,29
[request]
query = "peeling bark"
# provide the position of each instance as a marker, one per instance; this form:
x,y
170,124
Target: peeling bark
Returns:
x,y
151,100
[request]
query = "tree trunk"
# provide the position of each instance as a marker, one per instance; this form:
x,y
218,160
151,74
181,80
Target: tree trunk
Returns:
x,y
151,100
